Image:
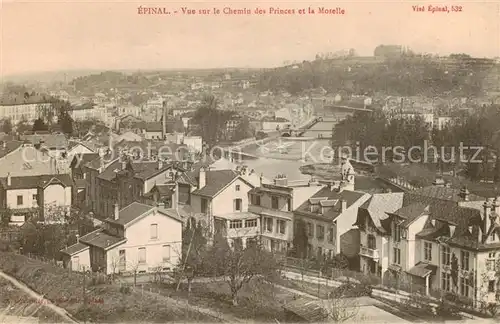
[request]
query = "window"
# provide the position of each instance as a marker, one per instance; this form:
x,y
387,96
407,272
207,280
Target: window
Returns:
x,y
35,198
491,286
445,281
372,244
142,255
204,205
464,287
251,223
237,204
427,251
310,230
464,260
491,255
397,233
236,223
330,235
166,253
320,229
445,250
397,256
493,236
154,231
76,263
237,188
289,204
274,203
269,224
491,264
282,226
19,200
257,200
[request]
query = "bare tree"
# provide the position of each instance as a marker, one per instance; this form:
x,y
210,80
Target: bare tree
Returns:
x,y
238,265
340,308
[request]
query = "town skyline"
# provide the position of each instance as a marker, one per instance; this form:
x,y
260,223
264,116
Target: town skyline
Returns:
x,y
112,36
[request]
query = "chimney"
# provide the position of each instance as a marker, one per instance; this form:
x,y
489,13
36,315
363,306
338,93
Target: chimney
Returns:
x,y
160,164
464,193
124,165
281,180
175,197
77,238
101,168
9,179
164,120
439,182
452,230
486,219
117,212
4,145
343,205
202,178
261,178
433,222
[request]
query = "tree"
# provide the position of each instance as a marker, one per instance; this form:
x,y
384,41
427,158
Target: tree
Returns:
x,y
243,131
23,126
66,123
6,215
339,306
238,265
39,125
194,249
300,239
211,121
7,126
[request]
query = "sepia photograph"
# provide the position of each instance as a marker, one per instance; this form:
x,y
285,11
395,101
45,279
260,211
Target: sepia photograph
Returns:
x,y
249,162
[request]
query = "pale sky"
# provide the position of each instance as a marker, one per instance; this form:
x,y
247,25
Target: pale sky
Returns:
x,y
75,35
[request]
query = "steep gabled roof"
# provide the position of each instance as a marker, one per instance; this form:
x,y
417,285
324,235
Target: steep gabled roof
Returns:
x,y
410,213
216,181
33,182
130,213
376,207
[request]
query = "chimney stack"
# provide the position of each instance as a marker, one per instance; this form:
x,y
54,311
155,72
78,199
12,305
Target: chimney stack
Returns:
x,y
101,168
175,197
160,164
261,178
343,205
77,238
124,164
487,211
4,145
9,179
117,212
202,178
281,180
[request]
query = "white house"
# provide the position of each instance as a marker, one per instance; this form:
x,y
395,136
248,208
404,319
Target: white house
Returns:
x,y
139,238
220,193
47,197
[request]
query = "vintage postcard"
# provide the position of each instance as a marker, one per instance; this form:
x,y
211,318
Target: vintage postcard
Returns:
x,y
267,161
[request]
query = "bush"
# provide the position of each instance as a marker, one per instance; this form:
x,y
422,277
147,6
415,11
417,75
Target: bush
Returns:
x,y
351,290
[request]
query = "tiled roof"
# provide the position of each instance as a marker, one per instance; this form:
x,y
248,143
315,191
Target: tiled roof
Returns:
x,y
9,147
130,213
411,212
376,207
147,169
215,182
74,249
21,100
31,182
444,193
109,173
79,160
422,270
153,127
333,199
101,239
47,140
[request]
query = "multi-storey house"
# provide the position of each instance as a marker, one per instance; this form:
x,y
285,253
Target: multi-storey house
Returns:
x,y
47,197
328,216
221,195
439,238
275,203
136,239
79,174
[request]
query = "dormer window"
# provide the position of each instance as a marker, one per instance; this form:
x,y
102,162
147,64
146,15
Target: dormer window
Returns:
x,y
493,237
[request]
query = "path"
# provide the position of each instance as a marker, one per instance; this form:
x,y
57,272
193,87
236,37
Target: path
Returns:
x,y
58,310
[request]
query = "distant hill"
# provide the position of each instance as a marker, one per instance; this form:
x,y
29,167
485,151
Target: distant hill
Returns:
x,y
406,75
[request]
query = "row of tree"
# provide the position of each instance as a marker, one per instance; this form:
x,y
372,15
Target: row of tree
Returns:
x,y
364,130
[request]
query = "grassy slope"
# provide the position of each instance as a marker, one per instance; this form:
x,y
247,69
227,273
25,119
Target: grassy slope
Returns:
x,y
106,302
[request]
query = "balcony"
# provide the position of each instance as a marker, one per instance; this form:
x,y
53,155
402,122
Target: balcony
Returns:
x,y
370,253
263,211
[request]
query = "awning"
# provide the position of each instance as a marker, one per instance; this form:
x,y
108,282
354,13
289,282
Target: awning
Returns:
x,y
422,270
